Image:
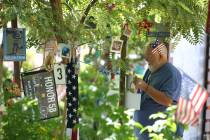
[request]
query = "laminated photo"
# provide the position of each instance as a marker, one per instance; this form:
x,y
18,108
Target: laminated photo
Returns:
x,y
14,44
116,46
64,50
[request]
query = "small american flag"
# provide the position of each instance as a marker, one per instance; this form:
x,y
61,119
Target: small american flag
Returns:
x,y
191,101
72,101
157,47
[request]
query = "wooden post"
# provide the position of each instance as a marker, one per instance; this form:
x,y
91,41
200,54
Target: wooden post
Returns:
x,y
16,63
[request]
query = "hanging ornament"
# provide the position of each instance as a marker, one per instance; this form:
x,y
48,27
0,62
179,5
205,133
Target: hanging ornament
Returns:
x,y
97,53
90,23
110,6
104,71
87,59
145,24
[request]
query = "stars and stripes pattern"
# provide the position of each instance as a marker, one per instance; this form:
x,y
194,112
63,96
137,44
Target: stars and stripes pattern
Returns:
x,y
72,101
192,99
157,47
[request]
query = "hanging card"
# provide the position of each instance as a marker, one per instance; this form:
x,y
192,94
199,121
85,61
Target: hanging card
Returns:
x,y
59,74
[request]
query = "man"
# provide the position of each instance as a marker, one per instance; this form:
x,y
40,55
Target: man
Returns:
x,y
160,87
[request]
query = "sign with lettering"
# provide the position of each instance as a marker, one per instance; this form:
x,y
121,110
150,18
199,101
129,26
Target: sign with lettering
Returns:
x,y
40,85
60,74
158,34
14,44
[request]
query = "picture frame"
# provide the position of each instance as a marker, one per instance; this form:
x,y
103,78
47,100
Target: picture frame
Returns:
x,y
64,50
14,44
116,45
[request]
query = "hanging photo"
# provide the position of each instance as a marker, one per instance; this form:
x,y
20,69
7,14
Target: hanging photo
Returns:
x,y
64,50
127,30
40,85
14,44
116,46
49,54
60,74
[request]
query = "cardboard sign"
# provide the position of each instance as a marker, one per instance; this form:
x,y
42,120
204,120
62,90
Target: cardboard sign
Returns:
x,y
60,74
40,85
14,44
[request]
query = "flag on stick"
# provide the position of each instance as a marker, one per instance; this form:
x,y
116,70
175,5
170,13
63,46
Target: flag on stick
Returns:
x,y
72,101
192,99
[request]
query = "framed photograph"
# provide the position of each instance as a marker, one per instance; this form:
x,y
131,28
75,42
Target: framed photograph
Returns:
x,y
116,46
41,85
64,50
51,45
14,44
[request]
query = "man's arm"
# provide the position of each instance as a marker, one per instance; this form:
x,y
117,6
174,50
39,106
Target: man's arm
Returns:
x,y
158,96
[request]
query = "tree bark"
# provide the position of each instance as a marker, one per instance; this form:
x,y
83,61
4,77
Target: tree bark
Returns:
x,y
58,18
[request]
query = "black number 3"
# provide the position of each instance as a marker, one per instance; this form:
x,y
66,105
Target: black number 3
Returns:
x,y
60,73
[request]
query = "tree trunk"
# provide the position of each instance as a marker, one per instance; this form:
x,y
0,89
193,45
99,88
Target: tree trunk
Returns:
x,y
122,71
16,63
1,69
58,18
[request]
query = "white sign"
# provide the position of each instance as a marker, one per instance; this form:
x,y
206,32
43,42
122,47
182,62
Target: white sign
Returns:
x,y
60,74
132,100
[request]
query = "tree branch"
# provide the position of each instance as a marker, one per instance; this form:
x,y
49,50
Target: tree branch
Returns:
x,y
92,3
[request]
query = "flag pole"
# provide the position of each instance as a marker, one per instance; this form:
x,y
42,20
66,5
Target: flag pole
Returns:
x,y
207,56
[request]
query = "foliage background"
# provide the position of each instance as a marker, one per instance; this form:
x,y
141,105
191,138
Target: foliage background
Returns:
x,y
182,18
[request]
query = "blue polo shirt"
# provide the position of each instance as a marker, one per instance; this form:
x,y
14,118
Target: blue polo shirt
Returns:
x,y
166,79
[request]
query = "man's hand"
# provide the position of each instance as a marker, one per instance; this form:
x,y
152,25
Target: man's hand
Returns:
x,y
155,94
140,84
